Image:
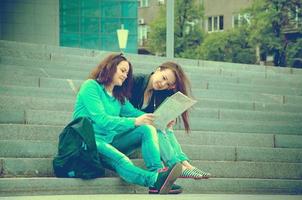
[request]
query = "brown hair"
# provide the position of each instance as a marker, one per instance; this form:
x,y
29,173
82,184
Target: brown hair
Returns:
x,y
182,84
104,72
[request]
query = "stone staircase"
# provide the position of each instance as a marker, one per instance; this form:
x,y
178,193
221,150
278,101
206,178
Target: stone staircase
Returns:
x,y
246,126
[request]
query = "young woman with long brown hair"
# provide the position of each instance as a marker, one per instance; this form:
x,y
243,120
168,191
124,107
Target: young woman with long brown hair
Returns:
x,y
148,92
120,128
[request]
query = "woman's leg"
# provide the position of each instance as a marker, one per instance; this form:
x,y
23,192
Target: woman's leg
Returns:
x,y
176,146
189,171
123,166
144,136
162,180
167,151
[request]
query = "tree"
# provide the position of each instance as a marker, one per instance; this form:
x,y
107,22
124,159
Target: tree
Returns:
x,y
269,20
294,52
187,31
228,46
156,42
213,47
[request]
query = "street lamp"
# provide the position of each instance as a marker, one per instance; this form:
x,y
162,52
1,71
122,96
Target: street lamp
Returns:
x,y
122,36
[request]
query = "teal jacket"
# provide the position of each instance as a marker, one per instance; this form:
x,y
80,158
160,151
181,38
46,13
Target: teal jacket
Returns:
x,y
109,117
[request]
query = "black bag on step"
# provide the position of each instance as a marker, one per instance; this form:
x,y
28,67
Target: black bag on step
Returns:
x,y
77,155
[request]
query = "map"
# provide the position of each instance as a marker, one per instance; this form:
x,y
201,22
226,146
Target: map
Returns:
x,y
171,108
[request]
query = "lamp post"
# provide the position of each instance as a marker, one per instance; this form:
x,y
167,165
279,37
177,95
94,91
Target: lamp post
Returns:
x,y
122,36
170,29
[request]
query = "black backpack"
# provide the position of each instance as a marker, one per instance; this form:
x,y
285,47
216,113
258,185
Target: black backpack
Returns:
x,y
77,153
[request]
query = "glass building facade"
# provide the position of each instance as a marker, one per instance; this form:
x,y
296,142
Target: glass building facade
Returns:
x,y
93,23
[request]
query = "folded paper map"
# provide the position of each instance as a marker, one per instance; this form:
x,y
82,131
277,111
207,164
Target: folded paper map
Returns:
x,y
171,108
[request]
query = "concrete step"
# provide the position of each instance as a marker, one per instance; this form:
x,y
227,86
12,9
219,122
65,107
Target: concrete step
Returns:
x,y
47,149
44,103
30,47
15,105
183,196
42,81
58,53
84,55
52,69
29,81
30,117
42,63
249,96
35,91
205,93
147,67
253,118
252,88
45,117
41,167
197,84
51,133
48,61
65,186
247,126
230,114
35,103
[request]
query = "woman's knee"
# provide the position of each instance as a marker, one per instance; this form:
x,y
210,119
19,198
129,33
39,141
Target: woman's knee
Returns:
x,y
148,131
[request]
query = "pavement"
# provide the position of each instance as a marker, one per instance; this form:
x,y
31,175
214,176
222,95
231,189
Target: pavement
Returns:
x,y
165,197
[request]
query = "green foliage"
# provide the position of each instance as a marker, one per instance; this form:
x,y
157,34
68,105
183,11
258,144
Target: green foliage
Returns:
x,y
156,42
213,47
269,20
228,46
294,51
187,33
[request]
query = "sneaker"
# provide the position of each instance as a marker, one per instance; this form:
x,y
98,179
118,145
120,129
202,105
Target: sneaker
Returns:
x,y
166,178
175,189
194,174
204,174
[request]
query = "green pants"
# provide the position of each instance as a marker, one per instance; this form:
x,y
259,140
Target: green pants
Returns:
x,y
170,150
114,155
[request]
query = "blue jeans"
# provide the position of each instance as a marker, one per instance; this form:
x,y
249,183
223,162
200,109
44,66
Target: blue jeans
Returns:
x,y
170,149
114,155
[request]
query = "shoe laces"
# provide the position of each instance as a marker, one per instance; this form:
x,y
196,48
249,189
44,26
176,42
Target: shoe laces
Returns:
x,y
163,169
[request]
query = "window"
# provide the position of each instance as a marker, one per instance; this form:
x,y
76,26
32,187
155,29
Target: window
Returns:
x,y
210,27
221,22
143,3
240,19
93,24
215,23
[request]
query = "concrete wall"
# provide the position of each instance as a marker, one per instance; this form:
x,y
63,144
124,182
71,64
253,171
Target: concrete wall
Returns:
x,y
149,13
33,21
226,8
212,8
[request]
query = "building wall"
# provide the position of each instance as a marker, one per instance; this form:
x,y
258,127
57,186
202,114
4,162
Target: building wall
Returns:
x,y
226,8
76,23
150,12
31,21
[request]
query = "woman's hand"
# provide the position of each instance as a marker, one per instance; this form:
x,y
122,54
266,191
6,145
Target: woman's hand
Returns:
x,y
171,124
144,119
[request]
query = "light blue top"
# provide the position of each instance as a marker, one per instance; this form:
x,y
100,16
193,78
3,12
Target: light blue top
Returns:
x,y
108,115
